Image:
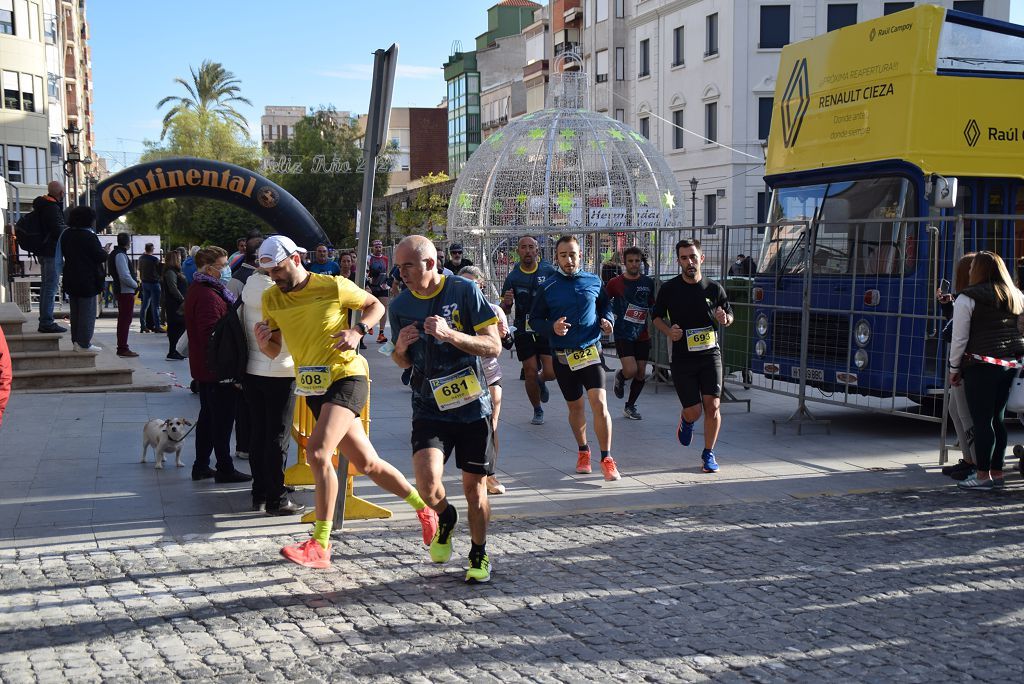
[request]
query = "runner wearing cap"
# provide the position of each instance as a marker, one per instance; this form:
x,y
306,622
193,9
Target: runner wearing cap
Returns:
x,y
308,310
377,269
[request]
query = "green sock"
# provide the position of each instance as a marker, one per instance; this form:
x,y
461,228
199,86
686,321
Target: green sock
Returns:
x,y
415,500
322,532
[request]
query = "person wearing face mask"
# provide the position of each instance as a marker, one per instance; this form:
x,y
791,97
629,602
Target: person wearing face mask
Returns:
x,y
572,310
206,302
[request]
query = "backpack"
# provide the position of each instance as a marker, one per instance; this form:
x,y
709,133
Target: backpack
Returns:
x,y
227,353
30,233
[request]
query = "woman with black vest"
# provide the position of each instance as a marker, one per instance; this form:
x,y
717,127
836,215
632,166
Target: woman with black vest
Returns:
x,y
986,355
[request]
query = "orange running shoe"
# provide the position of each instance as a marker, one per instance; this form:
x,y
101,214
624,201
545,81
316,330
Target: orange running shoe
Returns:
x,y
611,473
583,462
428,521
309,554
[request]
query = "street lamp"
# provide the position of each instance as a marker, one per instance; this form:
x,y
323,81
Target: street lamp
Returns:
x,y
693,202
73,158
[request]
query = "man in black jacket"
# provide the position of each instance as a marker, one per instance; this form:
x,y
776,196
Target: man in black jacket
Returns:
x,y
50,208
84,272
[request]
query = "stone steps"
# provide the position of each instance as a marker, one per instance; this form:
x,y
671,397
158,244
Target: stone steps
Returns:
x,y
33,342
61,379
52,360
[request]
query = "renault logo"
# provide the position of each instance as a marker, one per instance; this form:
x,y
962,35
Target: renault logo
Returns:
x,y
972,133
795,101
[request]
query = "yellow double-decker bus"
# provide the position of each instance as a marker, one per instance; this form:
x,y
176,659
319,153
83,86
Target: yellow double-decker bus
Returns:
x,y
883,134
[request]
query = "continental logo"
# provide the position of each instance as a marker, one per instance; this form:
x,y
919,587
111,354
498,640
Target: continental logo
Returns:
x,y
795,101
119,197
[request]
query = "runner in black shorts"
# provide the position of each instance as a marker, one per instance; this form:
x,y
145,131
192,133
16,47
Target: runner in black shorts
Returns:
x,y
696,309
632,295
575,295
441,327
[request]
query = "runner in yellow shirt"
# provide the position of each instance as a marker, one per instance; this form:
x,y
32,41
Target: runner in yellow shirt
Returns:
x,y
309,311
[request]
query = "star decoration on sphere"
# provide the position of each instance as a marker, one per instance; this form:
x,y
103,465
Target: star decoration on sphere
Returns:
x,y
617,134
521,198
536,134
598,144
497,207
636,136
465,203
564,146
496,138
670,200
521,150
641,197
568,133
565,201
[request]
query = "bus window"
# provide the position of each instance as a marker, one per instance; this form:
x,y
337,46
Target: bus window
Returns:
x,y
782,248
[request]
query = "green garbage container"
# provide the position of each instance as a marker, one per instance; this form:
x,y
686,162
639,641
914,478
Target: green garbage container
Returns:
x,y
738,338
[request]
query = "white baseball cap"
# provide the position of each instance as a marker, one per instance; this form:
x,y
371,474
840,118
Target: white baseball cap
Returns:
x,y
276,249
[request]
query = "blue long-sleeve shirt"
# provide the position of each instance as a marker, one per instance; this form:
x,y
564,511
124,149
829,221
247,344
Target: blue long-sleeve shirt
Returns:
x,y
581,299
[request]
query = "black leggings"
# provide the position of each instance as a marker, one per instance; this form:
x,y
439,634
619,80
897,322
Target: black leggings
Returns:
x,y
987,387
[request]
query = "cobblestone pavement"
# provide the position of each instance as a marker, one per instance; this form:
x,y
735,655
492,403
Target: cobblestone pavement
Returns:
x,y
909,587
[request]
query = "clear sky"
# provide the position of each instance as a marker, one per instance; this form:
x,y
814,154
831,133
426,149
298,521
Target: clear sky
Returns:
x,y
301,52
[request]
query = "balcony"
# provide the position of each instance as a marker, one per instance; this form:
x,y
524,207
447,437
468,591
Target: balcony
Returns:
x,y
534,68
602,78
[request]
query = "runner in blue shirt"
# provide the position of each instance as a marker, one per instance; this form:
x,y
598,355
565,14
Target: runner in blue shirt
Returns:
x,y
575,295
441,326
632,296
321,264
533,350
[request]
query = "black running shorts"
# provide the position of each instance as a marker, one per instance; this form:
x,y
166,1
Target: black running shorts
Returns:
x,y
351,392
574,383
698,377
472,443
639,350
529,345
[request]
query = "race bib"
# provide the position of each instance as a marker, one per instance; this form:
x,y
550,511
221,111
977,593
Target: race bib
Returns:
x,y
312,381
699,339
635,314
457,389
581,358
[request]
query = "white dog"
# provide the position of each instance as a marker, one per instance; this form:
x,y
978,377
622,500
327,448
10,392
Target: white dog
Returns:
x,y
164,436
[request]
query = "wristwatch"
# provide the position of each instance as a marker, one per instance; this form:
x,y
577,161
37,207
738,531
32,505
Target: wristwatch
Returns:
x,y
361,327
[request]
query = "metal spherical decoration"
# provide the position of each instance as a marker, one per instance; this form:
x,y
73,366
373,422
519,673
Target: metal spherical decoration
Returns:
x,y
564,169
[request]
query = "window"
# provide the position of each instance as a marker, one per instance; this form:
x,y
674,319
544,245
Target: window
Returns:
x,y
602,10
588,13
840,16
893,7
7,17
14,167
764,117
711,122
620,115
620,9
21,18
645,126
602,66
31,169
33,21
970,6
711,209
12,95
620,64
677,129
50,28
53,86
40,94
774,26
28,97
645,57
762,208
535,48
711,39
677,46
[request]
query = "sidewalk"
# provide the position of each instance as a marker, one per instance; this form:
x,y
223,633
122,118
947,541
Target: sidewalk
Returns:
x,y
70,474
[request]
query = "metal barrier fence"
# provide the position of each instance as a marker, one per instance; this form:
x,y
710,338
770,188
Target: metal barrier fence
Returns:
x,y
844,314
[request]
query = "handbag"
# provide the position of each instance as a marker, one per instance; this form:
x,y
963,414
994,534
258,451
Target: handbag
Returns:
x,y
182,346
1016,401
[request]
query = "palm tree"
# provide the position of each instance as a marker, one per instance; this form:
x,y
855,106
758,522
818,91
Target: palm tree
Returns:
x,y
213,90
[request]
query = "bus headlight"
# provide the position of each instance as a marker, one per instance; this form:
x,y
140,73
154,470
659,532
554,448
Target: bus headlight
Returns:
x,y
761,325
860,359
862,333
760,348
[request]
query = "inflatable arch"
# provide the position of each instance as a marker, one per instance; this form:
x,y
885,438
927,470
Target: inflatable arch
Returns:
x,y
208,179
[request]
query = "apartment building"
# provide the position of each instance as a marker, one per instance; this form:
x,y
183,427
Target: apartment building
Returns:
x,y
701,77
46,74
